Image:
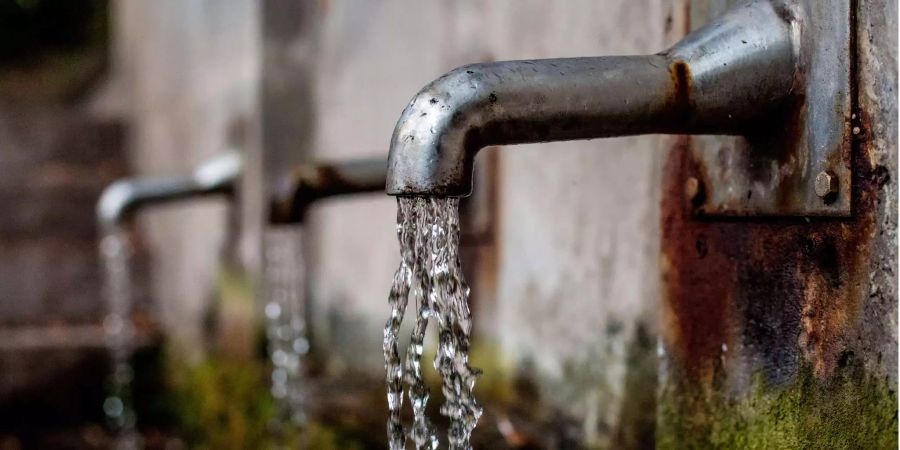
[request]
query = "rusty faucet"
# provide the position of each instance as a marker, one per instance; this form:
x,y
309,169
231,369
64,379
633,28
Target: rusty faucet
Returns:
x,y
216,176
725,78
313,181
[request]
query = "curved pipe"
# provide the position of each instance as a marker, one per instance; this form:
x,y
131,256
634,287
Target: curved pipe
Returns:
x,y
722,79
123,197
311,182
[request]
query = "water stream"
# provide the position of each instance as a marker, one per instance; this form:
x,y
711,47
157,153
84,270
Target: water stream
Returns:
x,y
286,320
428,231
115,252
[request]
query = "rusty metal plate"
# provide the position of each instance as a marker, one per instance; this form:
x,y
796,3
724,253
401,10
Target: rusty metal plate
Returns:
x,y
775,171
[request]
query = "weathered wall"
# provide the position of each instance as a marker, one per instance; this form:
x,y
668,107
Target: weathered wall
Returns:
x,y
55,159
372,57
760,347
187,82
574,254
779,332
578,231
284,126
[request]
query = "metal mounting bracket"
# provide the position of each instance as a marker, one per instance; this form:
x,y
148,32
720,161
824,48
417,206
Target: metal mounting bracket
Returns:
x,y
799,163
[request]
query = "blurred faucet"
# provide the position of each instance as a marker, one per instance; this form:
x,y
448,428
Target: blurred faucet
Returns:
x,y
314,181
725,78
122,198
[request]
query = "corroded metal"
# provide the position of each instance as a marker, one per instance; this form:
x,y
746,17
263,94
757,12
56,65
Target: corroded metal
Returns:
x,y
826,184
747,73
782,279
122,198
762,305
314,181
772,169
789,319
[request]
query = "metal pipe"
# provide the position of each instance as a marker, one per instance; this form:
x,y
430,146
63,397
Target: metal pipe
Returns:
x,y
122,198
725,78
314,181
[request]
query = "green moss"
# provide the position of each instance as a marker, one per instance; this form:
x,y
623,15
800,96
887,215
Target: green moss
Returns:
x,y
495,382
234,285
223,404
636,426
320,436
233,325
494,385
850,411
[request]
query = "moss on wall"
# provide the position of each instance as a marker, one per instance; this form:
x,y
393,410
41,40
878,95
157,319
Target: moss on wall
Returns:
x,y
849,411
223,404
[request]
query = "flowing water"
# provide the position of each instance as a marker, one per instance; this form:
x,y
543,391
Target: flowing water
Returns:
x,y
286,320
428,230
115,252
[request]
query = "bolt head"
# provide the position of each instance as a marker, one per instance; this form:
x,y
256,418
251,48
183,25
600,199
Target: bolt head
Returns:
x,y
691,188
826,184
694,191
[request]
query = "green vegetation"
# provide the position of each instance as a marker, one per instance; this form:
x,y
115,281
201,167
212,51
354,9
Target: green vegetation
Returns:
x,y
850,411
495,382
223,401
222,404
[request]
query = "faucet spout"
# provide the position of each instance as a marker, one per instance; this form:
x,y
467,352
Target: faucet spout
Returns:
x,y
725,78
314,181
122,198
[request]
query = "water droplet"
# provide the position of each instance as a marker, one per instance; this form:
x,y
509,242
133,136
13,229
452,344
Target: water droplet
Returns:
x,y
279,357
285,323
117,291
273,310
279,376
113,406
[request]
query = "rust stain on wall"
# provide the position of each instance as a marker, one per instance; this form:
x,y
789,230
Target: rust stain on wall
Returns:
x,y
786,290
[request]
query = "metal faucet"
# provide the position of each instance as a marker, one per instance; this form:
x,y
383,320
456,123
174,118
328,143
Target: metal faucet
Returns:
x,y
314,181
730,77
216,176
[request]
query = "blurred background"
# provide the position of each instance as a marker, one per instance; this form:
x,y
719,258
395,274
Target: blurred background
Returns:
x,y
562,252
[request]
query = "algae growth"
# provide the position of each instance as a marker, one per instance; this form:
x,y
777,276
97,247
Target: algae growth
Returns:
x,y
848,411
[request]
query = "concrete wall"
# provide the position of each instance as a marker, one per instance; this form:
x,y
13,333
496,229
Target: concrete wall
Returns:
x,y
579,228
187,81
569,279
574,254
372,57
56,157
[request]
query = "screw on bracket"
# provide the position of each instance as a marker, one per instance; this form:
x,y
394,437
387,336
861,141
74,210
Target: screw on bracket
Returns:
x,y
826,185
693,190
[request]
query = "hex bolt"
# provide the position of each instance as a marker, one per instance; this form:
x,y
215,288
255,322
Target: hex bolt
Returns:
x,y
691,188
826,184
693,191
